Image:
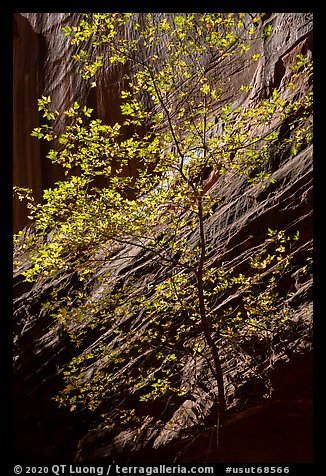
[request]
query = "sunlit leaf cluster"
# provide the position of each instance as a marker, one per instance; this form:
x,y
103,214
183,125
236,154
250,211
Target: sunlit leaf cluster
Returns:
x,y
139,189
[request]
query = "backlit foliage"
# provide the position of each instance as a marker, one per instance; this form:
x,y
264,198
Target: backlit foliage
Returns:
x,y
147,329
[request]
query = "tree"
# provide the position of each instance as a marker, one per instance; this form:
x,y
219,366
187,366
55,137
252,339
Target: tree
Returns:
x,y
150,329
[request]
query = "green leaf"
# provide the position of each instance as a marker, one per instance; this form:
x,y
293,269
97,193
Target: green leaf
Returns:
x,y
268,30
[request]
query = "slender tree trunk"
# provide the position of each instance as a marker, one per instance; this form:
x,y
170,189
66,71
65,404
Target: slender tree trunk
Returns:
x,y
217,368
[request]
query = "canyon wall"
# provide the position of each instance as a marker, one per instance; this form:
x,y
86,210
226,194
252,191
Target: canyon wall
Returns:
x,y
43,65
269,420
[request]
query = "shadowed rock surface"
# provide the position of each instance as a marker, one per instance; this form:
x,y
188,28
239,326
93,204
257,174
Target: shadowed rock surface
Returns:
x,y
269,392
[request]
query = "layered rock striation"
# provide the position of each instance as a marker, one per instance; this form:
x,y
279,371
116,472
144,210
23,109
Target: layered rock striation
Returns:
x,y
268,382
